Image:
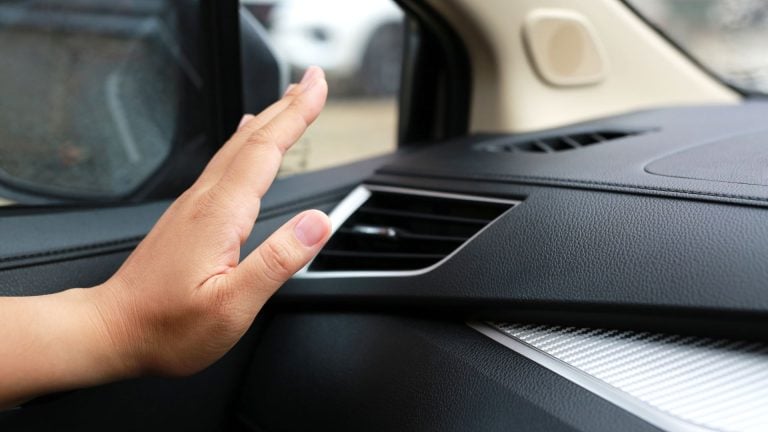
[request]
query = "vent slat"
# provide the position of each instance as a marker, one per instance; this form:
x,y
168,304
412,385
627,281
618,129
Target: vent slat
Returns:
x,y
373,243
408,235
556,143
401,231
571,142
387,255
415,215
361,263
542,146
597,138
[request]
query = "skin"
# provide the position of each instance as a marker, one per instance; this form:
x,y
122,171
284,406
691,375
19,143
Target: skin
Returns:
x,y
183,298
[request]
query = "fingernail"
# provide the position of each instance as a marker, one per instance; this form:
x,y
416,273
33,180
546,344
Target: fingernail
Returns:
x,y
311,229
311,77
244,120
288,90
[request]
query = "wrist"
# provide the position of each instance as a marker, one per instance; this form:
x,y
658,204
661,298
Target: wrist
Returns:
x,y
106,323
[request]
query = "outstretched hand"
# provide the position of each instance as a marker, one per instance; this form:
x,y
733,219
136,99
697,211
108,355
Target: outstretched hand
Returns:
x,y
183,298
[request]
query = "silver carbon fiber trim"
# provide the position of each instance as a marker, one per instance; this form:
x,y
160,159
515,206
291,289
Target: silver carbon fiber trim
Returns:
x,y
677,383
359,196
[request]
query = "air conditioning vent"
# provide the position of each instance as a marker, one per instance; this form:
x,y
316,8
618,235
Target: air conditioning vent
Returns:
x,y
382,229
556,143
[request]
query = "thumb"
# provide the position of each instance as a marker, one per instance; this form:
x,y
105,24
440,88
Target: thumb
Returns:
x,y
284,253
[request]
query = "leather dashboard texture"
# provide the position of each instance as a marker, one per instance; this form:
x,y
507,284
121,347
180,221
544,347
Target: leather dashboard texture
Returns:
x,y
585,257
597,240
617,165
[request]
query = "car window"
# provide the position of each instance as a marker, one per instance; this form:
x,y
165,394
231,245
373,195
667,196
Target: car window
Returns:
x,y
726,36
360,49
93,93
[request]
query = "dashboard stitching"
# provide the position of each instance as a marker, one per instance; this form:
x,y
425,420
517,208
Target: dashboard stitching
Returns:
x,y
557,181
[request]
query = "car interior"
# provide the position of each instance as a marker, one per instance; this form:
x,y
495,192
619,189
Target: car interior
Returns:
x,y
569,235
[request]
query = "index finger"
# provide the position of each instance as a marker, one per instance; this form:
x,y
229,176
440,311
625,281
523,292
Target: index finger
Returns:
x,y
218,164
253,169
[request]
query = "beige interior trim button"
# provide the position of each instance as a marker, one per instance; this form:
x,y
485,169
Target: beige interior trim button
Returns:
x,y
563,48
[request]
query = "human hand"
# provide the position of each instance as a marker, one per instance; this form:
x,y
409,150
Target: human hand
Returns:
x,y
183,298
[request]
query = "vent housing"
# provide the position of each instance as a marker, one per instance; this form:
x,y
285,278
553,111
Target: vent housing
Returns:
x,y
555,143
393,229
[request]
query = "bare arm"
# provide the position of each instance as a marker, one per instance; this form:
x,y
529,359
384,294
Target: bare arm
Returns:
x,y
183,298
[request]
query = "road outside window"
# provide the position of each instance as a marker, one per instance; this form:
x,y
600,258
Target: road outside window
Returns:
x,y
359,44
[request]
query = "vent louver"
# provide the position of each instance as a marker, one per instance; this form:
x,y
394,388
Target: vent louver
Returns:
x,y
382,229
557,143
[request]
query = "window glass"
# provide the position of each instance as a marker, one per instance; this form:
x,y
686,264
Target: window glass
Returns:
x,y
92,92
726,36
359,45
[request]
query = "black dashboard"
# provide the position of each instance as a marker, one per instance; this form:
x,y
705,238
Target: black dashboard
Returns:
x,y
662,227
659,230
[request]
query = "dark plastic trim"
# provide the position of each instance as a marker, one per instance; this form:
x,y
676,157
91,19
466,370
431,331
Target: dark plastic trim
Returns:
x,y
436,80
227,74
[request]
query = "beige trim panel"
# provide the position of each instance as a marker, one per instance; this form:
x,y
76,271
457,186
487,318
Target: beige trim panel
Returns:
x,y
642,69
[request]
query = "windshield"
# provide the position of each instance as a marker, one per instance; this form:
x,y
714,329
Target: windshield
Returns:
x,y
726,36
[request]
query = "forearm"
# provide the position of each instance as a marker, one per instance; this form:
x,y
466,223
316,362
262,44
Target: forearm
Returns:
x,y
53,343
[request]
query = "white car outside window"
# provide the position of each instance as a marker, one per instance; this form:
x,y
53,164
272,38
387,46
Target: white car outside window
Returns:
x,y
359,42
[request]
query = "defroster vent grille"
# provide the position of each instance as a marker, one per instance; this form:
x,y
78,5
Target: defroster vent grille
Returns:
x,y
385,229
555,143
